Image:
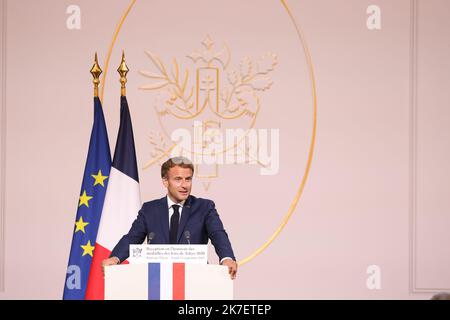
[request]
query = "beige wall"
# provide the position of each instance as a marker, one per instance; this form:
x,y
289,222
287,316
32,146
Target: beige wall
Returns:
x,y
432,172
2,141
376,190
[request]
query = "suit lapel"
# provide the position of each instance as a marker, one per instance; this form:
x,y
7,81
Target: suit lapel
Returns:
x,y
164,219
184,218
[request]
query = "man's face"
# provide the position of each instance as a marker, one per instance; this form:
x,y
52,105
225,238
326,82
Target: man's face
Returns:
x,y
178,183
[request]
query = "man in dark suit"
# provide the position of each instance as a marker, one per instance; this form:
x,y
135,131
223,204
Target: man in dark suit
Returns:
x,y
178,218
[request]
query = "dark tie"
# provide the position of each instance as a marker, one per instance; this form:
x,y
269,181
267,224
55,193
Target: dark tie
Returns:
x,y
174,224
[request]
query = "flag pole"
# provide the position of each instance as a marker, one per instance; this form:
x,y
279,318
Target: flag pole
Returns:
x,y
96,72
123,70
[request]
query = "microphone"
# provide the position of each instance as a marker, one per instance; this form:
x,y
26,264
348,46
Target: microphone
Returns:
x,y
150,237
187,234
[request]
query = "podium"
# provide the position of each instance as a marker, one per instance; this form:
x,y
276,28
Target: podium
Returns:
x,y
167,280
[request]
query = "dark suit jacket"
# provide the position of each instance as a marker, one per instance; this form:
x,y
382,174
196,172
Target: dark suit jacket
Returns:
x,y
199,216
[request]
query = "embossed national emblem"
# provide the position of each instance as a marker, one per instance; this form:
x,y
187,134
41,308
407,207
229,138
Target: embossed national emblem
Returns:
x,y
205,100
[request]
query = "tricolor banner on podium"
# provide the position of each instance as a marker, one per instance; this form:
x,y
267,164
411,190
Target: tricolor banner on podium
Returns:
x,y
168,281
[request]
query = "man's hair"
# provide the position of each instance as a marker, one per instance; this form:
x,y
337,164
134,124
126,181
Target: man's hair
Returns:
x,y
174,162
441,296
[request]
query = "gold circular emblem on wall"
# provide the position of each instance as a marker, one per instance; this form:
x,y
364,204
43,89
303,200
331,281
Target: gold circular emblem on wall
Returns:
x,y
301,186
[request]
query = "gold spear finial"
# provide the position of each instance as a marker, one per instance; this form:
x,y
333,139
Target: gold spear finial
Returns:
x,y
123,70
96,72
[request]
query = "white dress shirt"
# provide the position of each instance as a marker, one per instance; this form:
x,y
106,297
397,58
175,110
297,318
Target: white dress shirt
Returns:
x,y
170,203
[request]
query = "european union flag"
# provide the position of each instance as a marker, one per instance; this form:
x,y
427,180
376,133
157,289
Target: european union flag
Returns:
x,y
90,205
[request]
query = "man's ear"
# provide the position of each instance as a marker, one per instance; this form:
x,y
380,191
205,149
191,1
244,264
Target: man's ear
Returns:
x,y
165,182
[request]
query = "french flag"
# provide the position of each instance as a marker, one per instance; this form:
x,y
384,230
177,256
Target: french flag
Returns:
x,y
122,202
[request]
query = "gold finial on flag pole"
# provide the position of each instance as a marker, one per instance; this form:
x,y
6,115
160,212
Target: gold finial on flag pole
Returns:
x,y
123,70
96,72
